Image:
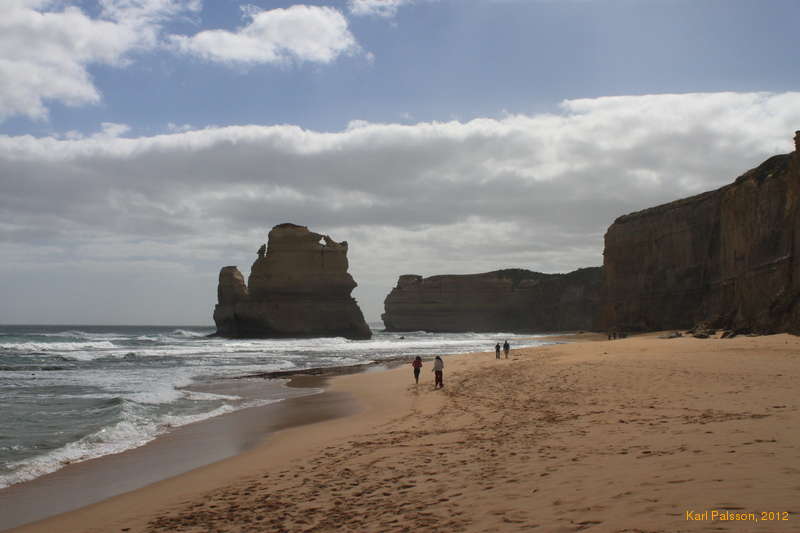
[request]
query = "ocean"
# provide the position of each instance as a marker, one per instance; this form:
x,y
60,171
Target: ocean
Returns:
x,y
73,393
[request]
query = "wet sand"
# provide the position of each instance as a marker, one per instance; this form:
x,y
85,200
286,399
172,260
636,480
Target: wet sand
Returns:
x,y
634,435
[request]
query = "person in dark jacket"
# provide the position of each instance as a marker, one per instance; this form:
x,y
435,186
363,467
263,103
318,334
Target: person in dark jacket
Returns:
x,y
416,364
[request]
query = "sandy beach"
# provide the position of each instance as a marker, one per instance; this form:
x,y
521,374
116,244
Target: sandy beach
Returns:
x,y
635,435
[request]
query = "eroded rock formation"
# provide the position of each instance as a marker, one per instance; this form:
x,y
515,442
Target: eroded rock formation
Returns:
x,y
298,287
504,300
726,258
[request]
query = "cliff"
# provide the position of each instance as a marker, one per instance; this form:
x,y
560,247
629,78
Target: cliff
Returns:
x,y
727,257
298,287
504,300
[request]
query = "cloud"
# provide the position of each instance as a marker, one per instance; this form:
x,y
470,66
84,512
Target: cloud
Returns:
x,y
45,51
297,33
534,191
147,12
378,8
108,130
172,127
48,46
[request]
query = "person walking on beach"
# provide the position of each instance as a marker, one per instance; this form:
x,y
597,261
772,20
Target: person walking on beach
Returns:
x,y
497,350
416,364
438,371
506,348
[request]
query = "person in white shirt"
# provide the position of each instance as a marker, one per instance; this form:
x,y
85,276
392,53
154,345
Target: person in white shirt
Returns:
x,y
438,370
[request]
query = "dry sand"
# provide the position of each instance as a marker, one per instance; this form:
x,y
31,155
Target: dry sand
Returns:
x,y
619,436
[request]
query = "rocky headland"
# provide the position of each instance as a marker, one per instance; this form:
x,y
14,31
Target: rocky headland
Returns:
x,y
298,287
513,300
722,259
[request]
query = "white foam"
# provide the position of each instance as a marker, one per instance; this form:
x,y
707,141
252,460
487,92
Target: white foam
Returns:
x,y
122,436
208,396
56,346
188,334
177,421
132,432
77,334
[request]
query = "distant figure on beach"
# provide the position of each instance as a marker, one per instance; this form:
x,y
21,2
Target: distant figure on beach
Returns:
x,y
497,350
438,371
506,348
416,364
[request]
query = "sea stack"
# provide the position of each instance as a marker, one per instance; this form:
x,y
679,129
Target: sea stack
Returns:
x,y
728,258
298,287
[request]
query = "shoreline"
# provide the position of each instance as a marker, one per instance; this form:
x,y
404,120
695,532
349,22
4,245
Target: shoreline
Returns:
x,y
278,442
244,429
119,474
629,433
89,482
215,439
125,435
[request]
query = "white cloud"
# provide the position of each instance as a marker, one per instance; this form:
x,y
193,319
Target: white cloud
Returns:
x,y
47,46
179,128
299,33
45,51
108,130
379,8
533,191
112,130
144,12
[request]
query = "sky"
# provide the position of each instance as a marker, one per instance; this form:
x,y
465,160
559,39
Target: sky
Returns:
x,y
145,144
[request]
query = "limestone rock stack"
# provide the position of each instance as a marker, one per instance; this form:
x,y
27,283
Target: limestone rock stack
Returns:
x,y
726,258
503,300
298,287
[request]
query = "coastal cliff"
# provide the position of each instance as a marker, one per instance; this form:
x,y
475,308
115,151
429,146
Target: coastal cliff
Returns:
x,y
504,300
725,259
298,287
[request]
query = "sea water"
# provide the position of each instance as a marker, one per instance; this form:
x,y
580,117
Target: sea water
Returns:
x,y
72,393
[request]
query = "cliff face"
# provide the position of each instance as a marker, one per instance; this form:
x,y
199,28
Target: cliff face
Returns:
x,y
298,287
726,257
504,300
